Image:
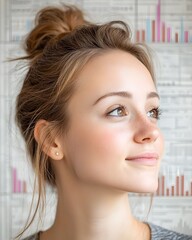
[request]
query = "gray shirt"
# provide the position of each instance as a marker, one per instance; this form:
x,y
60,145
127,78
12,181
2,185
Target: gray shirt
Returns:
x,y
157,233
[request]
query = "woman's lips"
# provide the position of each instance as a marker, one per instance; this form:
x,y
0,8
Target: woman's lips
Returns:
x,y
150,159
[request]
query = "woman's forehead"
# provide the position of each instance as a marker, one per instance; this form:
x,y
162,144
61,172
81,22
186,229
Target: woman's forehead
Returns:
x,y
113,69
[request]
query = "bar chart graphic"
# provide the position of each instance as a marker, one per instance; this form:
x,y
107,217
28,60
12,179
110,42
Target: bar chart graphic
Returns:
x,y
158,31
166,26
180,187
18,185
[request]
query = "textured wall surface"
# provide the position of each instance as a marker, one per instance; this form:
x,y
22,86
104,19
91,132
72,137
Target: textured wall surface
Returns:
x,y
166,26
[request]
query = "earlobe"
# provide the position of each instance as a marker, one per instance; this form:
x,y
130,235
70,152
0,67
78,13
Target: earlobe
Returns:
x,y
45,138
55,154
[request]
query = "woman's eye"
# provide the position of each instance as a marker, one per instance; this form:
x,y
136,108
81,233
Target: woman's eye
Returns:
x,y
154,113
118,112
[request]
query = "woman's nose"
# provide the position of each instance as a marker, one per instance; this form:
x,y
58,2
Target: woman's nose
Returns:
x,y
146,131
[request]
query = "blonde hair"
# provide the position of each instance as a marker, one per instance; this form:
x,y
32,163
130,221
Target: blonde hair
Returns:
x,y
57,48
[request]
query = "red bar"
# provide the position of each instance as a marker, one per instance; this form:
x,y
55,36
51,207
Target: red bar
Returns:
x,y
24,187
158,189
19,186
163,185
143,35
187,193
163,32
167,191
153,30
158,21
191,188
176,37
186,36
182,185
172,190
137,36
168,34
177,185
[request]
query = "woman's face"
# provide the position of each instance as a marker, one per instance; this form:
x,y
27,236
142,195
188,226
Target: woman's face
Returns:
x,y
114,140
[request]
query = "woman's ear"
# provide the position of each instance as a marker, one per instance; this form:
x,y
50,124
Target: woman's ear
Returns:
x,y
49,142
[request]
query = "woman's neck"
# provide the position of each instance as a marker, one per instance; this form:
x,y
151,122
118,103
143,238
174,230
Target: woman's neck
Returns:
x,y
91,213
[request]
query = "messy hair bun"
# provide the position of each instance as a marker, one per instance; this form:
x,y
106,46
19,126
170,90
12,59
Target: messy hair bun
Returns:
x,y
52,23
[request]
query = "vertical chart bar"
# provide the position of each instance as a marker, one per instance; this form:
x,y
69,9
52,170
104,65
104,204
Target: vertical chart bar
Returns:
x,y
148,27
143,36
137,36
177,185
191,188
167,192
186,34
172,191
14,180
19,186
163,32
163,185
158,189
182,185
158,21
24,187
182,31
176,38
169,34
153,30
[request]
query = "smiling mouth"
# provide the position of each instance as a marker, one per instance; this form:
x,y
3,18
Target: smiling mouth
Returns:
x,y
149,159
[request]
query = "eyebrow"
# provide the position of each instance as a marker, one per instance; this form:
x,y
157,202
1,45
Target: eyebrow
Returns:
x,y
125,95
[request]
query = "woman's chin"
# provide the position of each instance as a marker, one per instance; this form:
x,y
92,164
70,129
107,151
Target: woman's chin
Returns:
x,y
144,188
147,188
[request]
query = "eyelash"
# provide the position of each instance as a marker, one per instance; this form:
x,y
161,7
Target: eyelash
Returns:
x,y
157,110
122,107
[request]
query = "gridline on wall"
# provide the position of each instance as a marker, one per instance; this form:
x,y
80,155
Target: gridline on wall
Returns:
x,y
168,32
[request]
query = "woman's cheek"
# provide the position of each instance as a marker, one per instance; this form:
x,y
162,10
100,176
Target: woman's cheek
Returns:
x,y
105,139
160,145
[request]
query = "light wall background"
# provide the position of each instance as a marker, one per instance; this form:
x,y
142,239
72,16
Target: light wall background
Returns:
x,y
172,51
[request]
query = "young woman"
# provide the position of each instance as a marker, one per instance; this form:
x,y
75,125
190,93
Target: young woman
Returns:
x,y
88,111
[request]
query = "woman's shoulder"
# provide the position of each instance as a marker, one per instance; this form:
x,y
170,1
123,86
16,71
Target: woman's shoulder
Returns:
x,y
160,233
34,236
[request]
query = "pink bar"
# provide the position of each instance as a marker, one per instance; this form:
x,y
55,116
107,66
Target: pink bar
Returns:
x,y
14,180
168,34
158,21
163,32
186,34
